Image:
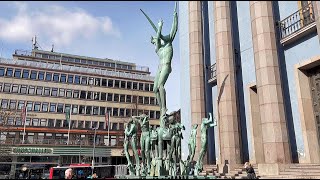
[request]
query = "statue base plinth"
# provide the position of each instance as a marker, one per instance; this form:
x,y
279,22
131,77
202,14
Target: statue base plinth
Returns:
x,y
166,177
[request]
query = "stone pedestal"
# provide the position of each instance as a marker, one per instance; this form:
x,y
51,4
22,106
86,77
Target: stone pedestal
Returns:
x,y
271,169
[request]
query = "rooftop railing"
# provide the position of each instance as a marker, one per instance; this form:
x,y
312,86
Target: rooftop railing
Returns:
x,y
213,74
59,67
296,21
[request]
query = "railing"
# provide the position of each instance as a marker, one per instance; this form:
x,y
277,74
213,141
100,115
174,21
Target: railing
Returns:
x,y
296,21
12,141
213,74
75,69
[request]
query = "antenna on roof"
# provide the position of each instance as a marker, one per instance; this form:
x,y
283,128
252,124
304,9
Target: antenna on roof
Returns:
x,y
34,42
52,47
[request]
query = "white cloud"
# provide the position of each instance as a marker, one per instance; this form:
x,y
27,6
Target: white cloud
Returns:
x,y
54,23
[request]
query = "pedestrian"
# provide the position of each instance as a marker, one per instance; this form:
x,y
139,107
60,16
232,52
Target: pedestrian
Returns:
x,y
250,171
68,174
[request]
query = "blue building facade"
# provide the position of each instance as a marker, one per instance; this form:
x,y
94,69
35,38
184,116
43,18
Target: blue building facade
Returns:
x,y
297,41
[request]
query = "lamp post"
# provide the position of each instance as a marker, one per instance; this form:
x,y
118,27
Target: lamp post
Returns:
x,y
94,147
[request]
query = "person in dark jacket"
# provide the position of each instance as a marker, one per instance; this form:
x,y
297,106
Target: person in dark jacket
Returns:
x,y
250,171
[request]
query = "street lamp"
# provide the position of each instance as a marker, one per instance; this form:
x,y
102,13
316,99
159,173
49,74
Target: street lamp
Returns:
x,y
94,147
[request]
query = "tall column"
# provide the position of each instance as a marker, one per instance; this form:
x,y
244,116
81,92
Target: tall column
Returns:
x,y
316,10
226,83
272,116
197,88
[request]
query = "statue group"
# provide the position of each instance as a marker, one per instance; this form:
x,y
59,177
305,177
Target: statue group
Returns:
x,y
161,147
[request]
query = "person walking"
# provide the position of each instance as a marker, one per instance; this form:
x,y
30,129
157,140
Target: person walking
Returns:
x,y
250,171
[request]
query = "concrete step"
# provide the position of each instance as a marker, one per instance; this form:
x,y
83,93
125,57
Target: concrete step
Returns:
x,y
300,173
289,177
302,170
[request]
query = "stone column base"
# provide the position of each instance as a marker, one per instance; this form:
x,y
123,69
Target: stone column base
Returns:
x,y
271,169
226,168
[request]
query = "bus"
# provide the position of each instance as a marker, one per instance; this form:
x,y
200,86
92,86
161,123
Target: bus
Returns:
x,y
82,171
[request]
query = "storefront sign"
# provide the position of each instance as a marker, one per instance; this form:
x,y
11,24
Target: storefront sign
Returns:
x,y
26,150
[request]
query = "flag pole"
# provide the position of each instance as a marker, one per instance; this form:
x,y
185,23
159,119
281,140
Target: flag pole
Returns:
x,y
24,124
108,127
69,126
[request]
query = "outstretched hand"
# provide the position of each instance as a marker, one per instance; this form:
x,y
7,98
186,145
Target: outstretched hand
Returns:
x,y
160,23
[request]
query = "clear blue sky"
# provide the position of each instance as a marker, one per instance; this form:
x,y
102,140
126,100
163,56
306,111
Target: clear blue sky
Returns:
x,y
116,30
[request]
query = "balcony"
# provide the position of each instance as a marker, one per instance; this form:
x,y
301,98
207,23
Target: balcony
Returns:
x,y
213,75
297,25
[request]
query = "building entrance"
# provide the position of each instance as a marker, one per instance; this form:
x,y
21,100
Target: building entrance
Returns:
x,y
315,94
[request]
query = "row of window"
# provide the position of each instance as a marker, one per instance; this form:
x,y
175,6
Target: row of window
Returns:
x,y
75,109
59,123
83,61
74,79
77,94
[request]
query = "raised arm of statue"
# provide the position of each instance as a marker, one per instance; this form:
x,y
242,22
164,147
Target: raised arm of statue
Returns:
x,y
174,27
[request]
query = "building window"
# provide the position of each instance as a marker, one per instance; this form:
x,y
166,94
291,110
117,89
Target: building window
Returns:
x,y
4,104
96,95
74,109
101,125
54,92
58,124
60,108
141,86
2,71
33,75
80,124
69,93
122,98
94,124
48,76
23,89
152,100
116,98
53,107
50,124
37,106
28,122
146,100
29,105
13,104
31,90
104,82
70,79
123,84
89,95
9,72
63,78
41,75
45,107
129,84
157,114
15,88
20,105
77,79
103,96
115,112
146,87
89,110
87,124
82,109
56,77
39,90
84,80
128,99
128,112
17,73
121,112
140,100
7,88
151,87
35,122
43,122
91,81
110,82
75,94
46,91
95,110
25,74
109,98
83,94
18,121
134,85
116,83
61,92
102,110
